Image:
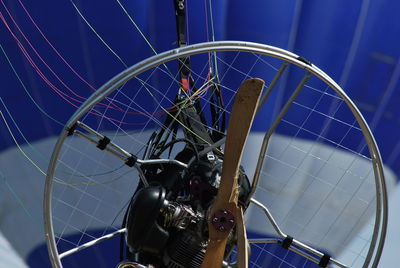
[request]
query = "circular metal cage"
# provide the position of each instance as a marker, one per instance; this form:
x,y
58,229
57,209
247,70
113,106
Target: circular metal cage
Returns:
x,y
296,135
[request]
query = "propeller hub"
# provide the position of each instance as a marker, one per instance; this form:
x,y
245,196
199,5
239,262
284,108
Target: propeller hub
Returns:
x,y
223,220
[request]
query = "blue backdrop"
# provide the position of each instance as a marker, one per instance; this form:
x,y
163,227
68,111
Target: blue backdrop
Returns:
x,y
355,42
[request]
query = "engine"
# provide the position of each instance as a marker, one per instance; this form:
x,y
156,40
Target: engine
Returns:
x,y
167,221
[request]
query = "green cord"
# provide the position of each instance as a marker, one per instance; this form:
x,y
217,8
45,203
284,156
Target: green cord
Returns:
x,y
20,202
26,90
98,36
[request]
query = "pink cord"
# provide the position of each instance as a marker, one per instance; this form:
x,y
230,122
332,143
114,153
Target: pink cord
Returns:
x,y
54,49
38,55
63,95
62,58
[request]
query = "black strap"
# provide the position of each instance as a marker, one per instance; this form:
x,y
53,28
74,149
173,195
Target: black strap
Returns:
x,y
131,161
72,129
159,134
174,130
287,242
184,62
324,260
218,115
304,60
102,144
191,118
180,12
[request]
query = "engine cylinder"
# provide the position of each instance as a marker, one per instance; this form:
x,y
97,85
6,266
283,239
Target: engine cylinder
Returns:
x,y
184,251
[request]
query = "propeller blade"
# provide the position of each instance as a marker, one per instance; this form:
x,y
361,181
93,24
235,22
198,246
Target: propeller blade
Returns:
x,y
225,211
242,249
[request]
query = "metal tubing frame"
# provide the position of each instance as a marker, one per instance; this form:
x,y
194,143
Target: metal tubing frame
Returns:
x,y
92,243
272,130
240,46
272,85
262,101
123,155
277,241
283,236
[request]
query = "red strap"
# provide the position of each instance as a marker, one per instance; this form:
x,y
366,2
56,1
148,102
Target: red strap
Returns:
x,y
185,84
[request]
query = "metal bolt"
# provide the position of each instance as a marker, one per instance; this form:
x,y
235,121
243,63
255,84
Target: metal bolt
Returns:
x,y
181,4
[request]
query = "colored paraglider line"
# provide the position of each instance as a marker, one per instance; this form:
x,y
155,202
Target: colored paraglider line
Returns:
x,y
20,202
40,154
27,92
98,35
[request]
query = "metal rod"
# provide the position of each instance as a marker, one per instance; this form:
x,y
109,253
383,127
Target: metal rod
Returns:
x,y
126,154
304,254
262,101
89,130
91,243
211,147
111,144
278,241
270,217
125,157
272,85
86,137
263,240
162,161
119,149
141,175
295,242
271,130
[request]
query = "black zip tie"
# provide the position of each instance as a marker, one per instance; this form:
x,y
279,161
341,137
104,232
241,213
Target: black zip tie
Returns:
x,y
102,144
72,129
324,260
131,161
287,242
304,60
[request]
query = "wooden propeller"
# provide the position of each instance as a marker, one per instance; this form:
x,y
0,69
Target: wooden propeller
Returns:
x,y
225,212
